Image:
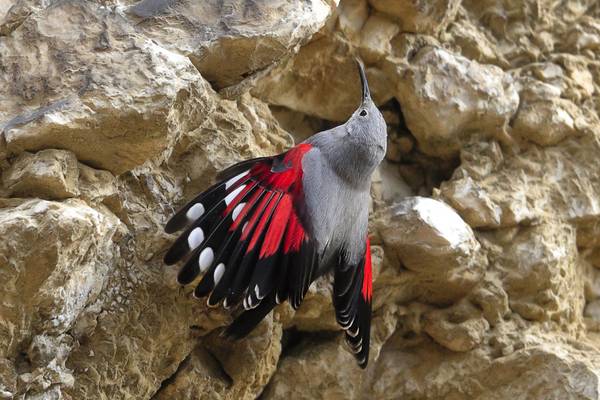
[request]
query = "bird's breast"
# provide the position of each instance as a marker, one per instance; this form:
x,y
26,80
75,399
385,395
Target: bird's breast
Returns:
x,y
337,211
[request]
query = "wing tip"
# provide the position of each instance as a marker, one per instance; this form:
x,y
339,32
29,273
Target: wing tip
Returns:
x,y
180,219
363,356
231,334
171,227
169,259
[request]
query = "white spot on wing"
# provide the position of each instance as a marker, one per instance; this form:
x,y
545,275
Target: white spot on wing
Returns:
x,y
237,210
256,292
195,212
206,258
258,296
233,194
219,271
195,238
236,178
251,304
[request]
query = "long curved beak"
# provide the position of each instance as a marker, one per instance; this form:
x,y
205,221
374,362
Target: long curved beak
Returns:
x,y
366,94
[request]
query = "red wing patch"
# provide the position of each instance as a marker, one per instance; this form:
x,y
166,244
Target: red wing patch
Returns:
x,y
294,235
277,227
289,179
367,284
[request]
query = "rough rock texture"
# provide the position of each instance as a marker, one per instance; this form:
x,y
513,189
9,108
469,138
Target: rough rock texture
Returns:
x,y
419,16
445,97
47,174
228,41
486,211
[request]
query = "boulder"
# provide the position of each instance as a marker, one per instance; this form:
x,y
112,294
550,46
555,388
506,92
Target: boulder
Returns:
x,y
446,98
49,174
439,250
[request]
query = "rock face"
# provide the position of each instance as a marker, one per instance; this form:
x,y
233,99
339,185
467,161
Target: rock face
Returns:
x,y
229,41
486,211
445,97
436,246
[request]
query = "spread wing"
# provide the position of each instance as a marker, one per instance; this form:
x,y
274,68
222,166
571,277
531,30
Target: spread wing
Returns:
x,y
245,235
352,290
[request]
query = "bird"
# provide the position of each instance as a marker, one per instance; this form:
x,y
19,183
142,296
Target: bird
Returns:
x,y
271,226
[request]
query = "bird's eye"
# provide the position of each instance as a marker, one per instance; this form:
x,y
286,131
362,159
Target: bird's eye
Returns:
x,y
363,113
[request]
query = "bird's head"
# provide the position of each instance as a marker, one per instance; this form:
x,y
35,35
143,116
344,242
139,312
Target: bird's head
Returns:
x,y
366,127
356,148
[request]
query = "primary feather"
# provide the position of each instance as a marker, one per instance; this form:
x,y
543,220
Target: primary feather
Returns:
x,y
272,225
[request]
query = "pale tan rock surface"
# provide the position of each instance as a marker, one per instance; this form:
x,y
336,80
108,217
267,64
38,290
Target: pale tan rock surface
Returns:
x,y
64,91
435,246
229,41
47,174
418,16
446,97
485,225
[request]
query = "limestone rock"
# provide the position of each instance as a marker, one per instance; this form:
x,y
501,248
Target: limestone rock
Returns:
x,y
529,186
436,246
48,355
73,251
12,14
95,184
230,41
388,184
50,174
419,16
109,121
311,81
297,375
473,203
465,195
227,370
316,312
592,310
427,371
376,36
76,99
316,80
352,16
547,122
8,378
491,297
530,263
473,42
446,97
462,336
